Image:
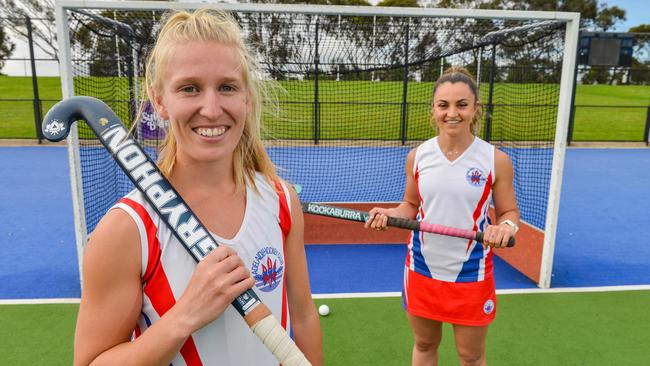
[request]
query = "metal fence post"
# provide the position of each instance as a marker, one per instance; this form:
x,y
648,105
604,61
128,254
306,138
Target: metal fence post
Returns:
x,y
490,104
405,85
646,133
572,114
36,101
316,108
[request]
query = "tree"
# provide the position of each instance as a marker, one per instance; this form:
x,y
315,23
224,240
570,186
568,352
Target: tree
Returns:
x,y
643,39
608,17
109,38
642,28
400,3
592,15
42,14
640,72
289,52
6,47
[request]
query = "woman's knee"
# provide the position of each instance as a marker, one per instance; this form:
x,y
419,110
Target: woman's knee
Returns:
x,y
426,333
470,344
426,344
470,357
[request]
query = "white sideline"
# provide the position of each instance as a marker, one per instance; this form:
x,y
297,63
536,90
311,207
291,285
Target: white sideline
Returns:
x,y
39,301
499,292
360,295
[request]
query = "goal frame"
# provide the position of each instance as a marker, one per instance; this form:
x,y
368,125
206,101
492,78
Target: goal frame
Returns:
x,y
571,21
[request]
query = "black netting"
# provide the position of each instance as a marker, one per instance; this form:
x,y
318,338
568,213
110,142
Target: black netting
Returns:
x,y
358,96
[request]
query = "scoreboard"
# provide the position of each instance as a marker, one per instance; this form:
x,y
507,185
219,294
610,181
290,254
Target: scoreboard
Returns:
x,y
605,49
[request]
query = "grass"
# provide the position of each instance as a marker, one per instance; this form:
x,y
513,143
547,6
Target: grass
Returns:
x,y
599,328
601,118
372,110
37,334
604,328
17,117
17,109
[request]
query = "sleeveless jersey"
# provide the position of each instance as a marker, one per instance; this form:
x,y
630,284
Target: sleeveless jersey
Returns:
x,y
167,269
458,194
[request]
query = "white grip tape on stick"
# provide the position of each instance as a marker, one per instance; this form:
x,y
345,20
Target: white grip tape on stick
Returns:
x,y
277,340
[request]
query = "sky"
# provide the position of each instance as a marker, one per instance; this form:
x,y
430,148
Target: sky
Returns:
x,y
637,12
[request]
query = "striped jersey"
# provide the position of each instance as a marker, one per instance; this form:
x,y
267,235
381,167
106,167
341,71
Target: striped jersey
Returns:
x,y
167,269
457,194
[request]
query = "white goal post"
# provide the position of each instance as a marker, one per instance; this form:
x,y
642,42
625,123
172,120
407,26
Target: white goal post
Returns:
x,y
72,71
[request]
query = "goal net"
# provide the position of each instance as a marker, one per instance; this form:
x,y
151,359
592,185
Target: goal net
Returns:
x,y
357,88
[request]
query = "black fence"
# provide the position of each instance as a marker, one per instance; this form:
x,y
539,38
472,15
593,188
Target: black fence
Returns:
x,y
21,110
22,105
615,108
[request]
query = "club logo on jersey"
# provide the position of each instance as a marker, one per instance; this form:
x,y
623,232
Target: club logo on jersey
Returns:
x,y
488,307
55,127
476,177
268,269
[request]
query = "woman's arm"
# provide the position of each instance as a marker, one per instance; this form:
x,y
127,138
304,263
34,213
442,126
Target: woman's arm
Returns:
x,y
111,299
408,208
304,318
505,203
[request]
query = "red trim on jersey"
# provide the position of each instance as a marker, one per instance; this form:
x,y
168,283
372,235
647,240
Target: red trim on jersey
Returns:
x,y
153,261
285,212
416,176
157,286
477,210
285,225
417,188
408,246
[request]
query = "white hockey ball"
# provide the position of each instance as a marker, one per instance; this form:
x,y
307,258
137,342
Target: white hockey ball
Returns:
x,y
323,310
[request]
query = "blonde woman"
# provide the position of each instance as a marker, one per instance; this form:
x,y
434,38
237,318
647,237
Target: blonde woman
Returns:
x,y
144,300
450,180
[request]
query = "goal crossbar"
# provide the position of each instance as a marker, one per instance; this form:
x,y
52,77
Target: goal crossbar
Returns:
x,y
568,22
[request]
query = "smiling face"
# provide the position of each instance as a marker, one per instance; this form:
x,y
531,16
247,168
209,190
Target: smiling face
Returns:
x,y
204,96
454,107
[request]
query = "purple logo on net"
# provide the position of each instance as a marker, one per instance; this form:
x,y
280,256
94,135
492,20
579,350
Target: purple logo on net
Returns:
x,y
150,126
268,269
476,177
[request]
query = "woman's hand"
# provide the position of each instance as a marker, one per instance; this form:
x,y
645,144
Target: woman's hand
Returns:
x,y
497,236
378,218
217,280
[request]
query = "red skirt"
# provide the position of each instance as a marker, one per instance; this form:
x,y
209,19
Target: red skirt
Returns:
x,y
464,303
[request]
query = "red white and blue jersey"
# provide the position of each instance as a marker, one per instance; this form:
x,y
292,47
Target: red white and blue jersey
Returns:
x,y
457,194
167,269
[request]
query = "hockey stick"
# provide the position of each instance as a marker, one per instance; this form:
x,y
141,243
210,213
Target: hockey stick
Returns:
x,y
362,216
187,228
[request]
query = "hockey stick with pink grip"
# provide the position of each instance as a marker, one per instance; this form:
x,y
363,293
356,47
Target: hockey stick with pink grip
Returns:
x,y
362,216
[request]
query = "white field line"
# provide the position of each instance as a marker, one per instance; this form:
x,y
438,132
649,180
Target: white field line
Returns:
x,y
499,292
358,295
39,301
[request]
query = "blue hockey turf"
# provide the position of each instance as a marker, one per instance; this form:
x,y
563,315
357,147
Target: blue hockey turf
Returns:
x,y
603,218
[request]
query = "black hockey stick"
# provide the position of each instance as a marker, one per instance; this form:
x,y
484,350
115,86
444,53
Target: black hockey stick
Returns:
x,y
171,207
362,216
